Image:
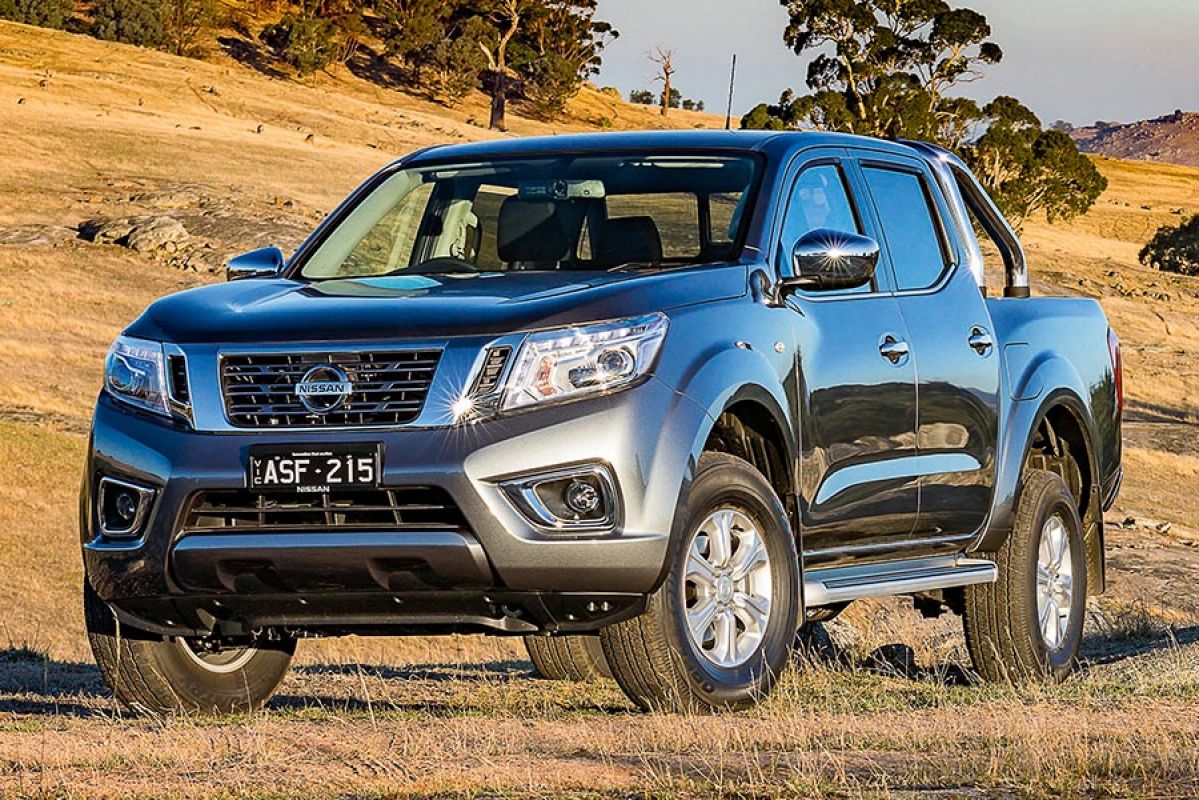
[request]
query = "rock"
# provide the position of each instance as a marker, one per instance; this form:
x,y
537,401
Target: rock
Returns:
x,y
171,197
108,231
160,233
898,660
1162,527
35,235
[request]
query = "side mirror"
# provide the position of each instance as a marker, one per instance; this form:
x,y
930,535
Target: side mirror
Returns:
x,y
266,262
824,260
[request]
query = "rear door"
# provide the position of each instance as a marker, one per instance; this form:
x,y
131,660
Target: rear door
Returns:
x,y
953,346
857,390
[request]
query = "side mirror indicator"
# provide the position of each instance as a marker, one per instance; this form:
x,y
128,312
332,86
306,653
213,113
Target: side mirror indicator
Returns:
x,y
826,260
266,262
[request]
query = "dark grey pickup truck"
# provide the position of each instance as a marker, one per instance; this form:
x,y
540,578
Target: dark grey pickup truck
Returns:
x,y
650,401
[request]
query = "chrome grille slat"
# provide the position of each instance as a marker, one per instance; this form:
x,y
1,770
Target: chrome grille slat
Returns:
x,y
389,388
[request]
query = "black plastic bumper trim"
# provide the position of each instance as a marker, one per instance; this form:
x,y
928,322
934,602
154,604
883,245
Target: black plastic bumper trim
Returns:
x,y
329,562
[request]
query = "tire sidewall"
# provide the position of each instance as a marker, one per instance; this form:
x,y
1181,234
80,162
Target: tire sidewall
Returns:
x,y
205,690
730,482
1057,501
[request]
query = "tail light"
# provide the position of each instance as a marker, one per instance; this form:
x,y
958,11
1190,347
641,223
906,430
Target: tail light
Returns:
x,y
1113,348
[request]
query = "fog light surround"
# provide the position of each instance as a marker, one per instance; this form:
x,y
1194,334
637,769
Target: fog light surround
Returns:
x,y
122,507
568,500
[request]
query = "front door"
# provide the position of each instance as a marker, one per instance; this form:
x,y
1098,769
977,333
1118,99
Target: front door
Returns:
x,y
857,394
953,346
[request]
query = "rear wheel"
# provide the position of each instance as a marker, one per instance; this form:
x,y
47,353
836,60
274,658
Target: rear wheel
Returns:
x,y
1028,624
567,658
719,631
176,674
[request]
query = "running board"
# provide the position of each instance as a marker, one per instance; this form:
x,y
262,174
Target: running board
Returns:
x,y
831,585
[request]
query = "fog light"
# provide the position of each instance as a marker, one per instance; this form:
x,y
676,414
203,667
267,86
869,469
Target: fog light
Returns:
x,y
122,508
582,497
126,506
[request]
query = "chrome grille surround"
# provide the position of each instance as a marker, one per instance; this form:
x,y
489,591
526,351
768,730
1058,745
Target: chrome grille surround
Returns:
x,y
387,387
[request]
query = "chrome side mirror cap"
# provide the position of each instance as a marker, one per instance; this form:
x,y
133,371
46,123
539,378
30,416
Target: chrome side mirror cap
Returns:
x,y
825,260
266,262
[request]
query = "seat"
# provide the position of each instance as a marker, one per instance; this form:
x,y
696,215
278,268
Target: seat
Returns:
x,y
531,234
628,240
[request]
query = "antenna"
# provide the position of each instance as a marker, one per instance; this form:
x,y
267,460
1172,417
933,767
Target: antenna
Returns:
x,y
728,114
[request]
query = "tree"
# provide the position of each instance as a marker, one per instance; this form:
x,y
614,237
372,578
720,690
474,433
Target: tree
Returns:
x,y
1174,248
414,29
322,33
889,68
642,97
130,21
664,59
883,67
1028,170
452,68
506,18
185,24
44,13
560,50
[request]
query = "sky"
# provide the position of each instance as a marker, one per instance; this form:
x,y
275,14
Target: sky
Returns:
x,y
1077,60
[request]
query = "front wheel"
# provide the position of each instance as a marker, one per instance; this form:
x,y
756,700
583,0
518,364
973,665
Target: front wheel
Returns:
x,y
171,675
1028,624
719,631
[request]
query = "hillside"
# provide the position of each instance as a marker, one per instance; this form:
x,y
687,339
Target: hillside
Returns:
x,y
1172,139
100,136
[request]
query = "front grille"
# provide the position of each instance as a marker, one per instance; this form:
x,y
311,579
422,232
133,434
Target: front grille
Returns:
x,y
387,388
408,508
177,373
493,368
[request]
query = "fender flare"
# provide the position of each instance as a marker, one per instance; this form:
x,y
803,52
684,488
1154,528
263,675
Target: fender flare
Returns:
x,y
727,378
737,375
1021,422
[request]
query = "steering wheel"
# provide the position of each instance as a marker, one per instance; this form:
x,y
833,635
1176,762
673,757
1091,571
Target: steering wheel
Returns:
x,y
438,265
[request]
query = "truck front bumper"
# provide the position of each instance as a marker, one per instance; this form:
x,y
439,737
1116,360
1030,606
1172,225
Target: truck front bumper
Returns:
x,y
500,572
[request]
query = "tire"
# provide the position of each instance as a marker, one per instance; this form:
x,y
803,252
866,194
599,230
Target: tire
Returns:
x,y
157,675
655,658
567,658
1005,630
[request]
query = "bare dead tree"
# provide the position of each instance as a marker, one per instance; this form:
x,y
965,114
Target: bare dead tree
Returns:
x,y
664,58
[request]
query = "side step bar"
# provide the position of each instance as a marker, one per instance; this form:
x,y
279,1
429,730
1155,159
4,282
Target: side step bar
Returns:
x,y
831,585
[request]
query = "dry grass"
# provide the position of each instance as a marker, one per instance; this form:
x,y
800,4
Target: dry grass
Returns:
x,y
460,716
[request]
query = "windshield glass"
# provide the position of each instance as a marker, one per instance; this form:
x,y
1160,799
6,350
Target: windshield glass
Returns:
x,y
576,213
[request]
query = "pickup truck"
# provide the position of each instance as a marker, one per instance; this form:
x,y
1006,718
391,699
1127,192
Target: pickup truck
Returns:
x,y
650,400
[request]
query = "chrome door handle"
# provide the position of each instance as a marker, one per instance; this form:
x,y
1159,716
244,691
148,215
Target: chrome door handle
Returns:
x,y
980,340
892,349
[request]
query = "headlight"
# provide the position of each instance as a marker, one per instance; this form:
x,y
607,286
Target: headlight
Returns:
x,y
567,363
135,373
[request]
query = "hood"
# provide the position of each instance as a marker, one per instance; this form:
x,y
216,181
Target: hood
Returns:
x,y
424,306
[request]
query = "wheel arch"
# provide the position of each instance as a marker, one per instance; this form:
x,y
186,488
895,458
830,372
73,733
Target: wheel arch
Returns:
x,y
1050,433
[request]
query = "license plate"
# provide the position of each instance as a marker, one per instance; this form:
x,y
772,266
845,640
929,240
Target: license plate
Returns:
x,y
323,468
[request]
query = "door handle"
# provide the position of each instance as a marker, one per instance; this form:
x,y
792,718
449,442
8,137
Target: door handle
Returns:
x,y
892,349
980,340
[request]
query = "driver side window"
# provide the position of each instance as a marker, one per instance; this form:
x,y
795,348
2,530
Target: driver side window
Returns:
x,y
819,199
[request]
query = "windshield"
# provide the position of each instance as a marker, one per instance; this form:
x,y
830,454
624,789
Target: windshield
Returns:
x,y
575,213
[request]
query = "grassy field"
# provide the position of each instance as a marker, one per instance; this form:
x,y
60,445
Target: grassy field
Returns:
x,y
101,131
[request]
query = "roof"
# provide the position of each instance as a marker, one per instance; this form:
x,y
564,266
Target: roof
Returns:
x,y
637,140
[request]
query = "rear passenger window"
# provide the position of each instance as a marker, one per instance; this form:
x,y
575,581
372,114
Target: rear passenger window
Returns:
x,y
913,239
